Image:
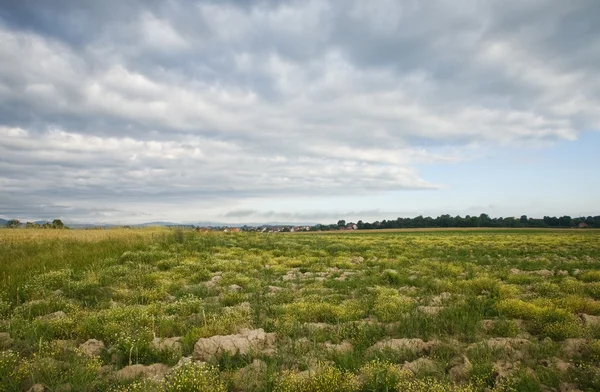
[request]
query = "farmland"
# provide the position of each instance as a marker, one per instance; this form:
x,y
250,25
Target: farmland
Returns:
x,y
168,310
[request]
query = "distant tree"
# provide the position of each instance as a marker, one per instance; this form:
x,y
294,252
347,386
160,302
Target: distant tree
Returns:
x,y
57,224
341,222
590,221
13,223
551,221
523,220
511,222
46,225
484,220
565,221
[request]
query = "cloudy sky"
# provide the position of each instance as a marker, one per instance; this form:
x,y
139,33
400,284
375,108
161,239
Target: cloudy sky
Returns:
x,y
249,111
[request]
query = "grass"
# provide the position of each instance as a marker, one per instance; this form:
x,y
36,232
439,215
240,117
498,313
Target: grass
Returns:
x,y
506,301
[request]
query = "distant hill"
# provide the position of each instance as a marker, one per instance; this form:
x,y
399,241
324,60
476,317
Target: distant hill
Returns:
x,y
157,223
3,222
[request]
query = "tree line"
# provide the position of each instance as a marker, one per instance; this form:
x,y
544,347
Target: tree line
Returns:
x,y
483,220
56,224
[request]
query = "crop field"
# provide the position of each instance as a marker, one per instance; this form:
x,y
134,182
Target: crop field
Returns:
x,y
171,310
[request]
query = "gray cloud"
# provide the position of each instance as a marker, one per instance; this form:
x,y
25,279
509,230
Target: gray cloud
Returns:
x,y
206,103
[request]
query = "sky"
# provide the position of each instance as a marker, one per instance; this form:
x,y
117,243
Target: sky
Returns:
x,y
298,111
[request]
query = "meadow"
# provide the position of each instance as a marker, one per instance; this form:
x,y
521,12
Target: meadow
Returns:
x,y
172,310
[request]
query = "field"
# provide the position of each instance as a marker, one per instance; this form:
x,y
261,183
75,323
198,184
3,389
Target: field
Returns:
x,y
168,310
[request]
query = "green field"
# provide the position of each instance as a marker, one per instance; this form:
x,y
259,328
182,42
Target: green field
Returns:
x,y
468,310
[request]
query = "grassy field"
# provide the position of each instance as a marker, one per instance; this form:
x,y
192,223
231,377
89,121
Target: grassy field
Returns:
x,y
164,310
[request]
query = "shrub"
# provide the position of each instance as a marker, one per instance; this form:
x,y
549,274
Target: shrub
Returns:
x,y
504,328
571,285
324,379
516,308
577,304
10,374
194,377
410,384
380,375
74,367
586,377
308,311
590,276
390,305
558,324
5,308
593,289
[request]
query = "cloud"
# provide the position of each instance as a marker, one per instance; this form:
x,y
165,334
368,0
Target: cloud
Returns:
x,y
113,102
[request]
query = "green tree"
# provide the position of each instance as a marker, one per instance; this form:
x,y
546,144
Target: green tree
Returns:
x,y
341,222
13,223
57,224
485,220
564,221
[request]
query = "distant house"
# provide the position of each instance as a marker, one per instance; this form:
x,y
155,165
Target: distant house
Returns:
x,y
583,225
235,230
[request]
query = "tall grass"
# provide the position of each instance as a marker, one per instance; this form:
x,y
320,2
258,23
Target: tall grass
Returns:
x,y
27,252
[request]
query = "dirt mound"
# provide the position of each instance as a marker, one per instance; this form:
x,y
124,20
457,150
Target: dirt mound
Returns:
x,y
574,346
5,340
589,319
250,377
430,310
155,371
342,348
167,344
508,343
416,346
92,347
420,366
459,368
241,343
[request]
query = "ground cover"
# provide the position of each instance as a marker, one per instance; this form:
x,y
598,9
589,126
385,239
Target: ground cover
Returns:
x,y
162,310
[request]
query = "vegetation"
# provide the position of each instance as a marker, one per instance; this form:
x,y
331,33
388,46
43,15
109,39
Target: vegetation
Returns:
x,y
483,220
56,224
132,310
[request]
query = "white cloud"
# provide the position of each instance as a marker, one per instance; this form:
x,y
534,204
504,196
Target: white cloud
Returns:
x,y
250,100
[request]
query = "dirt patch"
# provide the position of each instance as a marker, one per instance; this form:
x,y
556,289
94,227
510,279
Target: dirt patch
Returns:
x,y
503,369
92,347
167,344
589,319
574,346
5,340
242,343
342,348
155,371
421,366
459,368
250,377
567,387
506,343
416,345
440,299
431,310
